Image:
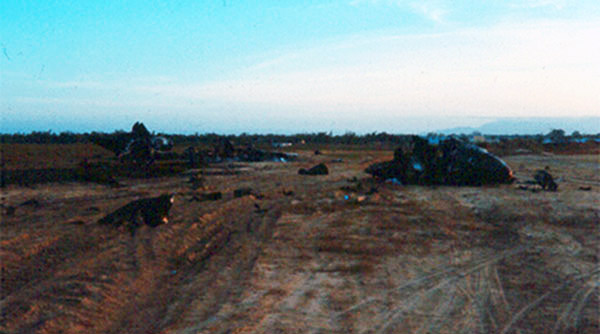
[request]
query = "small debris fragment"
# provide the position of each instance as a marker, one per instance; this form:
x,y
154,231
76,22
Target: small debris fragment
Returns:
x,y
320,169
214,196
242,192
32,202
545,180
257,209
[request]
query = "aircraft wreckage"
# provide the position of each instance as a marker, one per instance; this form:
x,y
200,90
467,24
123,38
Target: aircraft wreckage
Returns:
x,y
451,162
139,145
142,147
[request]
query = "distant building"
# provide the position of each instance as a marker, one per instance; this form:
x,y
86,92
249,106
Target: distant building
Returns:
x,y
286,144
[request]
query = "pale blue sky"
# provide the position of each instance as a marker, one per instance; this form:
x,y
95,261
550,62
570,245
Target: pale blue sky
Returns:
x,y
295,66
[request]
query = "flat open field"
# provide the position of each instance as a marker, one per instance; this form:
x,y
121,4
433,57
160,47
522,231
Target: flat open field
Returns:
x,y
311,254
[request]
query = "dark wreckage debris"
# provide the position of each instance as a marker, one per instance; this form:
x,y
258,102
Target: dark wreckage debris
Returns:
x,y
139,145
545,180
320,169
152,211
451,162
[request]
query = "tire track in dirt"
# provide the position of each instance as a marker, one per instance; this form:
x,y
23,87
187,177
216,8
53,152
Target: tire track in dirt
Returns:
x,y
27,280
208,251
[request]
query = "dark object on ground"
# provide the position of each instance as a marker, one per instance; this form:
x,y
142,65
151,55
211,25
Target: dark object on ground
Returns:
x,y
338,160
317,152
358,187
545,180
195,182
585,188
287,192
150,211
93,209
242,192
319,169
258,210
215,196
252,154
450,162
534,188
32,202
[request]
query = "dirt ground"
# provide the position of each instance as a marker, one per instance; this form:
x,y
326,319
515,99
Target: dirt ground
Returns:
x,y
308,254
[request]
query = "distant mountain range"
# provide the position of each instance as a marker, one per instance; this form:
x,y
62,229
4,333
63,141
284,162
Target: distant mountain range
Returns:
x,y
530,126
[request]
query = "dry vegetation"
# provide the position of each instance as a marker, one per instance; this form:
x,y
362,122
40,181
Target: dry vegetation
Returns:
x,y
333,257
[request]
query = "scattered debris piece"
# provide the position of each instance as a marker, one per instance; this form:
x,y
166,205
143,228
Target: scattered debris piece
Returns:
x,y
529,187
252,154
242,192
585,188
32,202
214,196
77,222
545,180
150,211
287,192
93,209
257,209
320,169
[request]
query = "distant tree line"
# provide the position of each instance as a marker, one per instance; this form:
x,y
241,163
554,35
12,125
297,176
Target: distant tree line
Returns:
x,y
348,138
49,137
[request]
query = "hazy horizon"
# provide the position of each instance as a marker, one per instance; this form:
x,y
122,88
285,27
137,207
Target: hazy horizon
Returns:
x,y
291,67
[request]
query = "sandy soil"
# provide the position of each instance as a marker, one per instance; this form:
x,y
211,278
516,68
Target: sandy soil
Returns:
x,y
339,255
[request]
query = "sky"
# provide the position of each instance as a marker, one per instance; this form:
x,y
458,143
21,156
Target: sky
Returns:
x,y
232,66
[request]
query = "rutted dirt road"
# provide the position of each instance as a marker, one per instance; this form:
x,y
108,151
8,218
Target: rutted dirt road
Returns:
x,y
308,254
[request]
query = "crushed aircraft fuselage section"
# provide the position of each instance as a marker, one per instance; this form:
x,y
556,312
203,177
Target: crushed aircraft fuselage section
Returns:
x,y
450,162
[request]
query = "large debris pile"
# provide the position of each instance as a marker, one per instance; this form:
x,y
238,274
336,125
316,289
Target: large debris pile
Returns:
x,y
143,146
139,145
451,162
